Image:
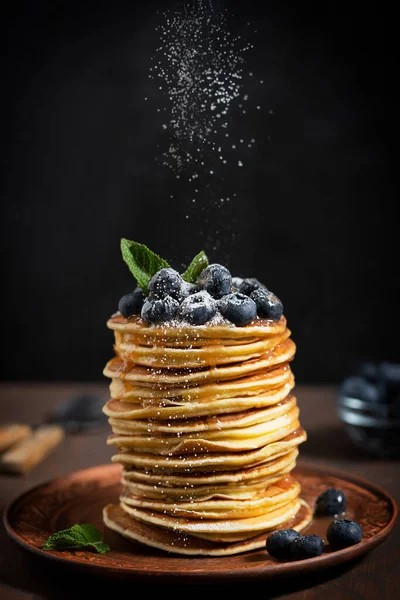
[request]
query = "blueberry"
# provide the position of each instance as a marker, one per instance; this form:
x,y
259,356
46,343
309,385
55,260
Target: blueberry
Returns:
x,y
198,308
330,502
238,308
131,304
216,280
268,305
306,546
389,385
342,533
250,284
236,283
357,387
278,542
158,310
390,372
187,289
166,282
368,370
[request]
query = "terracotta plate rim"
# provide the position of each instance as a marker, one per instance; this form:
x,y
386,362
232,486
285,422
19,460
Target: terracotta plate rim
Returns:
x,y
260,571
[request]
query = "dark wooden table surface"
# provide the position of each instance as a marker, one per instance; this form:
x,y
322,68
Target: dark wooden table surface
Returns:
x,y
375,576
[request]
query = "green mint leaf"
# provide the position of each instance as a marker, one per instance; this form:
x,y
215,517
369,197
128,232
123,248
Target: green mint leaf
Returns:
x,y
77,536
86,533
101,547
142,262
198,264
61,541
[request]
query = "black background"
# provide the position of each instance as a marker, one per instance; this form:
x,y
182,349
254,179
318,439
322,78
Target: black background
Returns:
x,y
313,216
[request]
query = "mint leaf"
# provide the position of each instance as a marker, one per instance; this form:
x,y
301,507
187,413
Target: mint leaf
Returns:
x,y
142,262
77,536
197,265
61,541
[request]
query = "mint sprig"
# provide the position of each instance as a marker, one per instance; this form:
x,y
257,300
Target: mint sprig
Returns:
x,y
198,264
143,263
76,537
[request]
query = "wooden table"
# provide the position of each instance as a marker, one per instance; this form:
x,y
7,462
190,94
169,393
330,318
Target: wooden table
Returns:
x,y
375,576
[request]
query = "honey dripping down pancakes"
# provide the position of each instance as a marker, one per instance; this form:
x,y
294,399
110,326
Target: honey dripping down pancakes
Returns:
x,y
202,409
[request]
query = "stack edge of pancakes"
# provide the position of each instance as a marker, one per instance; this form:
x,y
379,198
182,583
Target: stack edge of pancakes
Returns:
x,y
206,427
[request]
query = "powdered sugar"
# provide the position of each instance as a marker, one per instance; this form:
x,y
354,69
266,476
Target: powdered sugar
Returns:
x,y
199,66
216,320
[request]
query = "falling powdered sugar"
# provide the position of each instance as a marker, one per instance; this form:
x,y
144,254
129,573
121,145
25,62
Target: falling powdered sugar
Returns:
x,y
199,66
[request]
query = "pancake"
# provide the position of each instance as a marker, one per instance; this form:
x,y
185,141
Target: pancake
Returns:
x,y
223,491
177,543
223,529
240,485
192,478
169,410
188,333
245,386
234,425
211,461
234,439
216,354
118,368
206,423
207,430
266,499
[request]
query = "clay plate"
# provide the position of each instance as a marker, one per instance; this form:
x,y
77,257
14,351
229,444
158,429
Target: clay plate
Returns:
x,y
80,497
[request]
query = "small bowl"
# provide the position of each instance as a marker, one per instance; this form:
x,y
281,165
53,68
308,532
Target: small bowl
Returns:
x,y
370,427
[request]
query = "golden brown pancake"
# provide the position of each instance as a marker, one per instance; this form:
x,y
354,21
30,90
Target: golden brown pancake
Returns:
x,y
223,491
211,461
181,543
168,332
234,439
237,420
173,409
207,430
218,529
209,355
118,368
265,500
193,479
139,392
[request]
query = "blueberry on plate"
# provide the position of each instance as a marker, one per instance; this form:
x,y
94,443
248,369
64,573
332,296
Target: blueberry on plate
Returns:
x,y
216,280
131,304
250,284
306,546
159,310
238,308
356,386
198,308
278,543
166,282
342,533
268,305
330,502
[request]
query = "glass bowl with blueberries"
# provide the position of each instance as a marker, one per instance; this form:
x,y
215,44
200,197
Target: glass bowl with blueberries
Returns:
x,y
369,408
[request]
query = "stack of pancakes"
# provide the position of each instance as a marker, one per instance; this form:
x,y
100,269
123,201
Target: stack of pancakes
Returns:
x,y
207,428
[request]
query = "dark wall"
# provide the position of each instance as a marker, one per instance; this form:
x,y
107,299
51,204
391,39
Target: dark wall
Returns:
x,y
313,212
